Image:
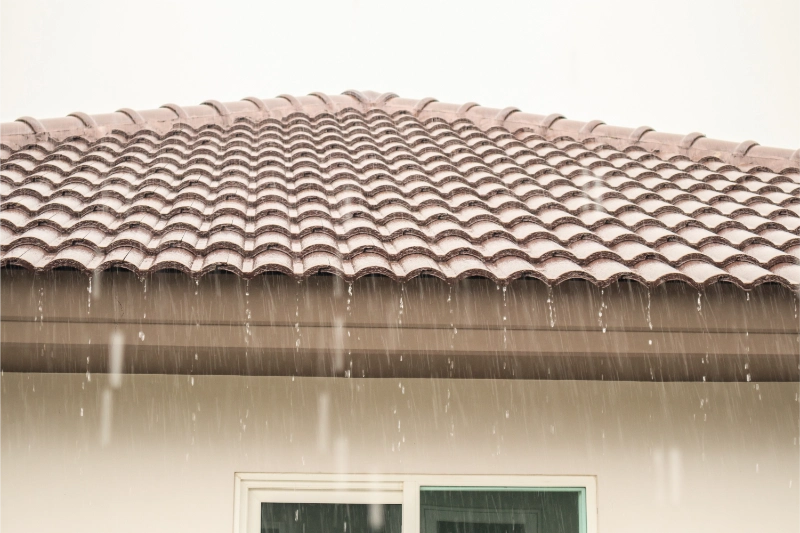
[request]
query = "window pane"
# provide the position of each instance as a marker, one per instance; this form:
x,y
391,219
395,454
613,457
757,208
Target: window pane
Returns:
x,y
500,511
330,518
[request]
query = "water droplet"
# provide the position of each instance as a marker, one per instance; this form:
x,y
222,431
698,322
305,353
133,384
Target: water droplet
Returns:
x,y
551,305
699,303
600,322
141,335
400,313
507,413
81,411
748,377
650,342
116,346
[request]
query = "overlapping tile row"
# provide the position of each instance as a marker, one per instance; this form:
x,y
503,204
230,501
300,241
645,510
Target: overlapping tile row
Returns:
x,y
357,193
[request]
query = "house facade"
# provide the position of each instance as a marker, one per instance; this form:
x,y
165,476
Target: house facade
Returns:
x,y
369,313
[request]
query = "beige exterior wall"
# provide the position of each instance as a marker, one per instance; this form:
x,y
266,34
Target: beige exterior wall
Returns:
x,y
668,456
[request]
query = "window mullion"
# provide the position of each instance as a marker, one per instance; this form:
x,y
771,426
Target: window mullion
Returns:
x,y
411,506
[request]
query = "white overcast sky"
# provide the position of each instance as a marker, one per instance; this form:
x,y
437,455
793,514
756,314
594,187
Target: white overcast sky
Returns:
x,y
727,68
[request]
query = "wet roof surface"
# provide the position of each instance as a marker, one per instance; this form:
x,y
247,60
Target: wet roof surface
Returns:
x,y
373,189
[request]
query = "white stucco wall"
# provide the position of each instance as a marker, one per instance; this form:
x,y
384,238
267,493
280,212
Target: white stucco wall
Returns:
x,y
668,456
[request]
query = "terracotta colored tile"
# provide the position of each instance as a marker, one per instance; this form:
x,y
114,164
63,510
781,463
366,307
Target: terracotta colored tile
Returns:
x,y
677,252
701,272
722,253
767,255
788,272
748,273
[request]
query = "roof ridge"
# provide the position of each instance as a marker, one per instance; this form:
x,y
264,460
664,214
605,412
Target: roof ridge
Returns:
x,y
694,145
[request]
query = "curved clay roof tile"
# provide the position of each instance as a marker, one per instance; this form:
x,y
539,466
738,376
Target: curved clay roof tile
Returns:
x,y
221,108
87,120
34,124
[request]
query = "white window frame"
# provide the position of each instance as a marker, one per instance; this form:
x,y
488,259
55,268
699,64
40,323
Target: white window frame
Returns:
x,y
252,489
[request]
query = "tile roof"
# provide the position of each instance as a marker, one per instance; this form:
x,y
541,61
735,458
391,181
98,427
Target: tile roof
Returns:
x,y
362,183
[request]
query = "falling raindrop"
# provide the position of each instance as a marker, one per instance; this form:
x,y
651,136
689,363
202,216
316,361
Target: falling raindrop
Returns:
x,y
297,316
81,411
90,296
400,314
505,317
699,303
551,305
507,413
375,516
105,418
600,322
115,359
141,335
649,321
196,286
248,332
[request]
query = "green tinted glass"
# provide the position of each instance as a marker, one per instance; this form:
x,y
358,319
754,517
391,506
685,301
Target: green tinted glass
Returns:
x,y
330,518
507,510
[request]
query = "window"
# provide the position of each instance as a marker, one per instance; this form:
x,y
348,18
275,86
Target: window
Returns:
x,y
287,503
344,517
501,510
